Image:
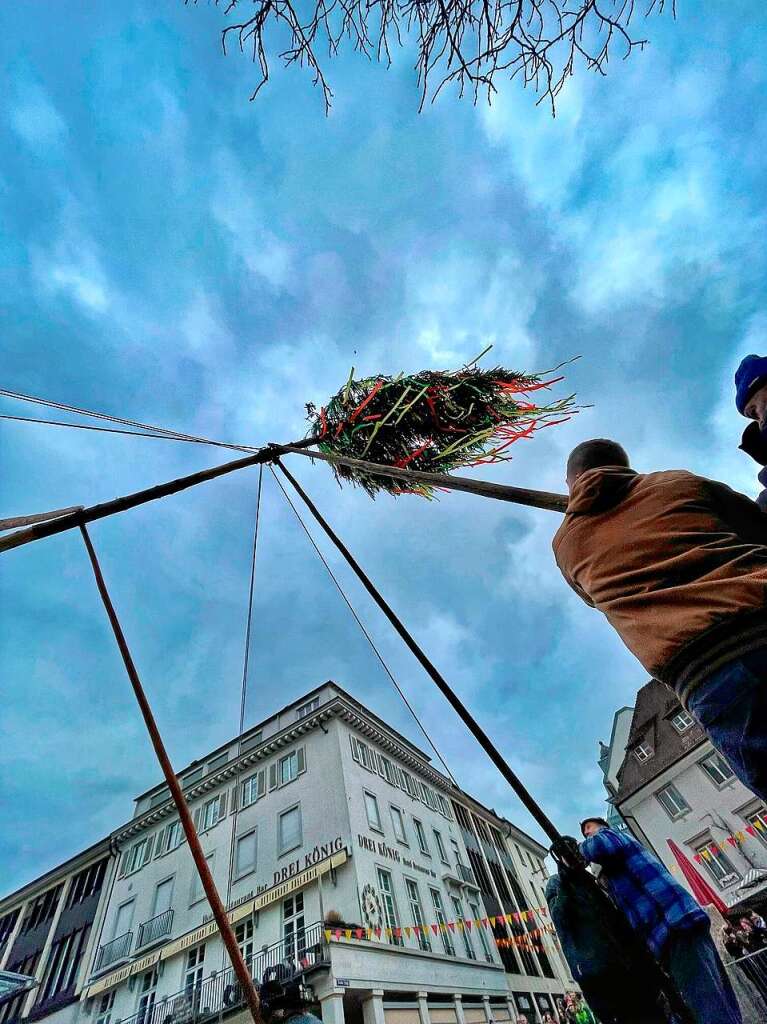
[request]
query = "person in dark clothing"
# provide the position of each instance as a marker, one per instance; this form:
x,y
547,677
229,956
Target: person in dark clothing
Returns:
x,y
674,926
751,402
678,565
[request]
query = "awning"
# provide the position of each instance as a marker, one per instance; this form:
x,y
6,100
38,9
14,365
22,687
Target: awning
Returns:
x,y
754,878
12,984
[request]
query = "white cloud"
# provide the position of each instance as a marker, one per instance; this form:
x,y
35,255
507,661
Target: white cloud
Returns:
x,y
72,266
35,119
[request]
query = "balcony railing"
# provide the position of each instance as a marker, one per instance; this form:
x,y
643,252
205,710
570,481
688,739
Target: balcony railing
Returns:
x,y
155,928
221,993
466,874
117,949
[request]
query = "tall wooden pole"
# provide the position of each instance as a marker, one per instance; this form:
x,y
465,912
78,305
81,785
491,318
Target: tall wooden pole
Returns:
x,y
219,912
82,516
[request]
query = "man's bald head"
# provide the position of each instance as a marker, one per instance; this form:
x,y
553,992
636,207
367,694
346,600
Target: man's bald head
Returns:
x,y
594,454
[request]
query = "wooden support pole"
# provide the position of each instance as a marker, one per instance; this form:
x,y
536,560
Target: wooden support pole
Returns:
x,y
109,508
219,912
503,492
68,521
38,517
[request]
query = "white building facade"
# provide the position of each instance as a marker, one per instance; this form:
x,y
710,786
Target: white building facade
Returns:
x,y
674,786
340,851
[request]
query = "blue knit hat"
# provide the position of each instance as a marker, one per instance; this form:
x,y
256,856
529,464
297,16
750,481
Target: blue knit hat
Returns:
x,y
749,377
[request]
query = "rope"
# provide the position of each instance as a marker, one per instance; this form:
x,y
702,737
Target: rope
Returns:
x,y
175,435
367,635
109,430
244,684
437,678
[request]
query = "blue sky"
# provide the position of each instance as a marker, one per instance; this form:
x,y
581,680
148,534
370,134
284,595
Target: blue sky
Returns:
x,y
173,253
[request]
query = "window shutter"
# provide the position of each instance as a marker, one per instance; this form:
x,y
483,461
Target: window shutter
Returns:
x,y
233,800
273,776
222,805
197,819
123,864
148,851
379,764
261,784
301,759
159,848
355,752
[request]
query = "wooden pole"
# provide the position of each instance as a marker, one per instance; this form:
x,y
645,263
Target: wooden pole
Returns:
x,y
518,495
38,517
503,492
219,912
109,508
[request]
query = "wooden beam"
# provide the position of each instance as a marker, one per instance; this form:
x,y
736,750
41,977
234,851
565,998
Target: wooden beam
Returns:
x,y
38,517
503,492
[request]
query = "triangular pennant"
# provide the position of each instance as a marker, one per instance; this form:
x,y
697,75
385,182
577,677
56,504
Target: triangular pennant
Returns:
x,y
358,933
492,922
398,933
697,858
377,930
407,931
451,926
348,933
435,929
388,933
751,830
732,840
759,824
468,922
328,933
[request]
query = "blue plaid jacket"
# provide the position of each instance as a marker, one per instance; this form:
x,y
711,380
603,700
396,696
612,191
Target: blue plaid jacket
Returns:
x,y
643,889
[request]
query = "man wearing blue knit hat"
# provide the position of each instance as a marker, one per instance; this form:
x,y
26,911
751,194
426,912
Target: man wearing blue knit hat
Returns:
x,y
751,401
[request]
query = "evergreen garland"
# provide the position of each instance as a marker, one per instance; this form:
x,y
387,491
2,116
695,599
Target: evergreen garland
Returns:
x,y
434,421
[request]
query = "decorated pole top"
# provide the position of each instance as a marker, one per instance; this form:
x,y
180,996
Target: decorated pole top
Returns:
x,y
433,421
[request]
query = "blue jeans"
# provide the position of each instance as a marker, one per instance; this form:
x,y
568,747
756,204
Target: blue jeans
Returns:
x,y
731,705
694,964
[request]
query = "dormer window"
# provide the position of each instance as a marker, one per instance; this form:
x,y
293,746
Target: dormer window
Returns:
x,y
643,751
682,721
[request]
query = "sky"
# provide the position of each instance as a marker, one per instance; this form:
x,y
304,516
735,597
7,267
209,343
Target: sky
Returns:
x,y
174,253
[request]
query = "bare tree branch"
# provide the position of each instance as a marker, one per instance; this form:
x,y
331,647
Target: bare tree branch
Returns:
x,y
466,43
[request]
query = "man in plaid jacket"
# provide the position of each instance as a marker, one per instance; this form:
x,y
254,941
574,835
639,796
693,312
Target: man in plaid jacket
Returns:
x,y
674,926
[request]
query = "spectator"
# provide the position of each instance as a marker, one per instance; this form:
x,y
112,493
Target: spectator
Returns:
x,y
678,564
751,402
675,928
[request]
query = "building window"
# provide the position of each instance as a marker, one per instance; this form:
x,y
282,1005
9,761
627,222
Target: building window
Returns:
x,y
363,754
195,968
387,770
163,897
718,865
398,820
409,784
672,801
682,721
218,762
389,906
213,811
308,708
477,918
63,965
245,854
123,919
294,929
251,741
198,893
106,1005
147,994
169,838
159,798
416,912
439,911
254,788
137,856
444,806
717,769
291,766
374,815
643,752
244,935
482,829
423,846
288,768
85,884
440,847
463,817
290,830
758,820
195,776
463,928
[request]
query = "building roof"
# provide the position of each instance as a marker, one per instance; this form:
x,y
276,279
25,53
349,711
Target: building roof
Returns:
x,y
651,725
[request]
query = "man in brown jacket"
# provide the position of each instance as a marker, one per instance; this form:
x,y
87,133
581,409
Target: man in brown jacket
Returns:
x,y
678,564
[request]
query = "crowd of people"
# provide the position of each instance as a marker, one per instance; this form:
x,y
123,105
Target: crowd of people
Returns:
x,y
747,935
571,1009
